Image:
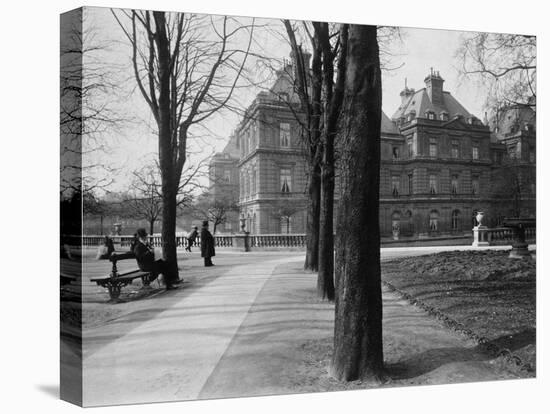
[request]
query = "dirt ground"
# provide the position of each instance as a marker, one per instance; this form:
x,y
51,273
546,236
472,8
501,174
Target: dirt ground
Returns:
x,y
485,291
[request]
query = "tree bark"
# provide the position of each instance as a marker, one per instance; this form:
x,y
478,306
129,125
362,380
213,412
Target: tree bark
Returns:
x,y
334,93
170,182
358,304
151,226
312,223
325,277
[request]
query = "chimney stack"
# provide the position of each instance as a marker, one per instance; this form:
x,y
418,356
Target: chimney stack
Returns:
x,y
406,94
434,87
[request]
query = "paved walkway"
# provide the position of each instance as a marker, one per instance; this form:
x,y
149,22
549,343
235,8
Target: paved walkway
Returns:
x,y
247,332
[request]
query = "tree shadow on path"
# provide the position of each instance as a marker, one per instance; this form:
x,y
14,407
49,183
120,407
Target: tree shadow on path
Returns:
x,y
432,359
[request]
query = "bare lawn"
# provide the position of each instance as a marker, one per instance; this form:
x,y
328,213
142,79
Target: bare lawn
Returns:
x,y
490,294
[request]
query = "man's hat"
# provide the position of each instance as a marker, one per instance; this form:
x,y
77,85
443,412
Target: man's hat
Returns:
x,y
205,223
141,232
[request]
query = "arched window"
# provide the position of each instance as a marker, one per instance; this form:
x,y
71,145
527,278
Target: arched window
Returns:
x,y
455,216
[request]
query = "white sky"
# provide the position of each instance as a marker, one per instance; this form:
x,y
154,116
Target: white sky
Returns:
x,y
135,143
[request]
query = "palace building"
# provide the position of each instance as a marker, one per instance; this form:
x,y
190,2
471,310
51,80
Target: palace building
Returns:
x,y
439,164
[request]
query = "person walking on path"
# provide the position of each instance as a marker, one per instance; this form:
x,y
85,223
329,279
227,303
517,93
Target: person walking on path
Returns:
x,y
192,238
145,256
207,245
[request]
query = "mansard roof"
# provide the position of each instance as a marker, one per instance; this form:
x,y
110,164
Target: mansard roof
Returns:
x,y
512,120
420,103
387,125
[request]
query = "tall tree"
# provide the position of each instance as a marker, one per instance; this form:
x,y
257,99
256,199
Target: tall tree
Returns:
x,y
358,305
187,71
505,63
87,108
308,86
333,92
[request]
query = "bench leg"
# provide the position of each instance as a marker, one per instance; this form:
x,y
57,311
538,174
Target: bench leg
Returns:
x,y
146,280
114,291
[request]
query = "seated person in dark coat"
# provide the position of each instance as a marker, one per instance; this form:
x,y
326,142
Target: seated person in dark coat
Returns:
x,y
145,256
207,245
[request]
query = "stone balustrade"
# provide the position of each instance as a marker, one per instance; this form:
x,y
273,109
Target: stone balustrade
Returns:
x,y
492,236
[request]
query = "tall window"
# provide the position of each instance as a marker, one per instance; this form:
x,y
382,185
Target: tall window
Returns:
x,y
475,150
410,182
286,180
410,147
433,184
227,176
434,216
454,148
454,184
475,185
395,185
284,135
532,156
454,220
433,147
395,153
286,225
415,144
254,181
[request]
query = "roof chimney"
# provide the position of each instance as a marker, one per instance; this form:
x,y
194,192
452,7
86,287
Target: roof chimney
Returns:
x,y
406,94
434,87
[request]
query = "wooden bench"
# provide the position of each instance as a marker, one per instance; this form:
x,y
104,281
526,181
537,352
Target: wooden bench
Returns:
x,y
116,281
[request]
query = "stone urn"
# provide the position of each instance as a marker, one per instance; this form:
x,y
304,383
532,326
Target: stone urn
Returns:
x,y
118,229
479,218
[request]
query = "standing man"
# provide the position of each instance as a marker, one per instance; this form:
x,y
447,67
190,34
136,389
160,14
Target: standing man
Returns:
x,y
145,256
207,245
191,239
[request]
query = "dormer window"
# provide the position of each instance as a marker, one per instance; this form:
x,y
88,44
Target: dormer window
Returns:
x,y
430,115
283,96
411,116
444,116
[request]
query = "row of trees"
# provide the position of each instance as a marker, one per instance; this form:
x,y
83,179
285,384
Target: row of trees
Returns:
x,y
187,68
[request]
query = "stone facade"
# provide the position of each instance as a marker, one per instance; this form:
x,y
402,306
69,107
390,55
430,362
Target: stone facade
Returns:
x,y
438,163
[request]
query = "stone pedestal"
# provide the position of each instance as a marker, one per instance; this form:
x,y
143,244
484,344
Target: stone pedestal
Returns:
x,y
519,246
480,236
241,241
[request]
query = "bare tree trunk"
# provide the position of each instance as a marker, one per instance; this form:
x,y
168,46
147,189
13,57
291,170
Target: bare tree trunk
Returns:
x,y
334,94
312,224
325,277
358,311
170,182
151,226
